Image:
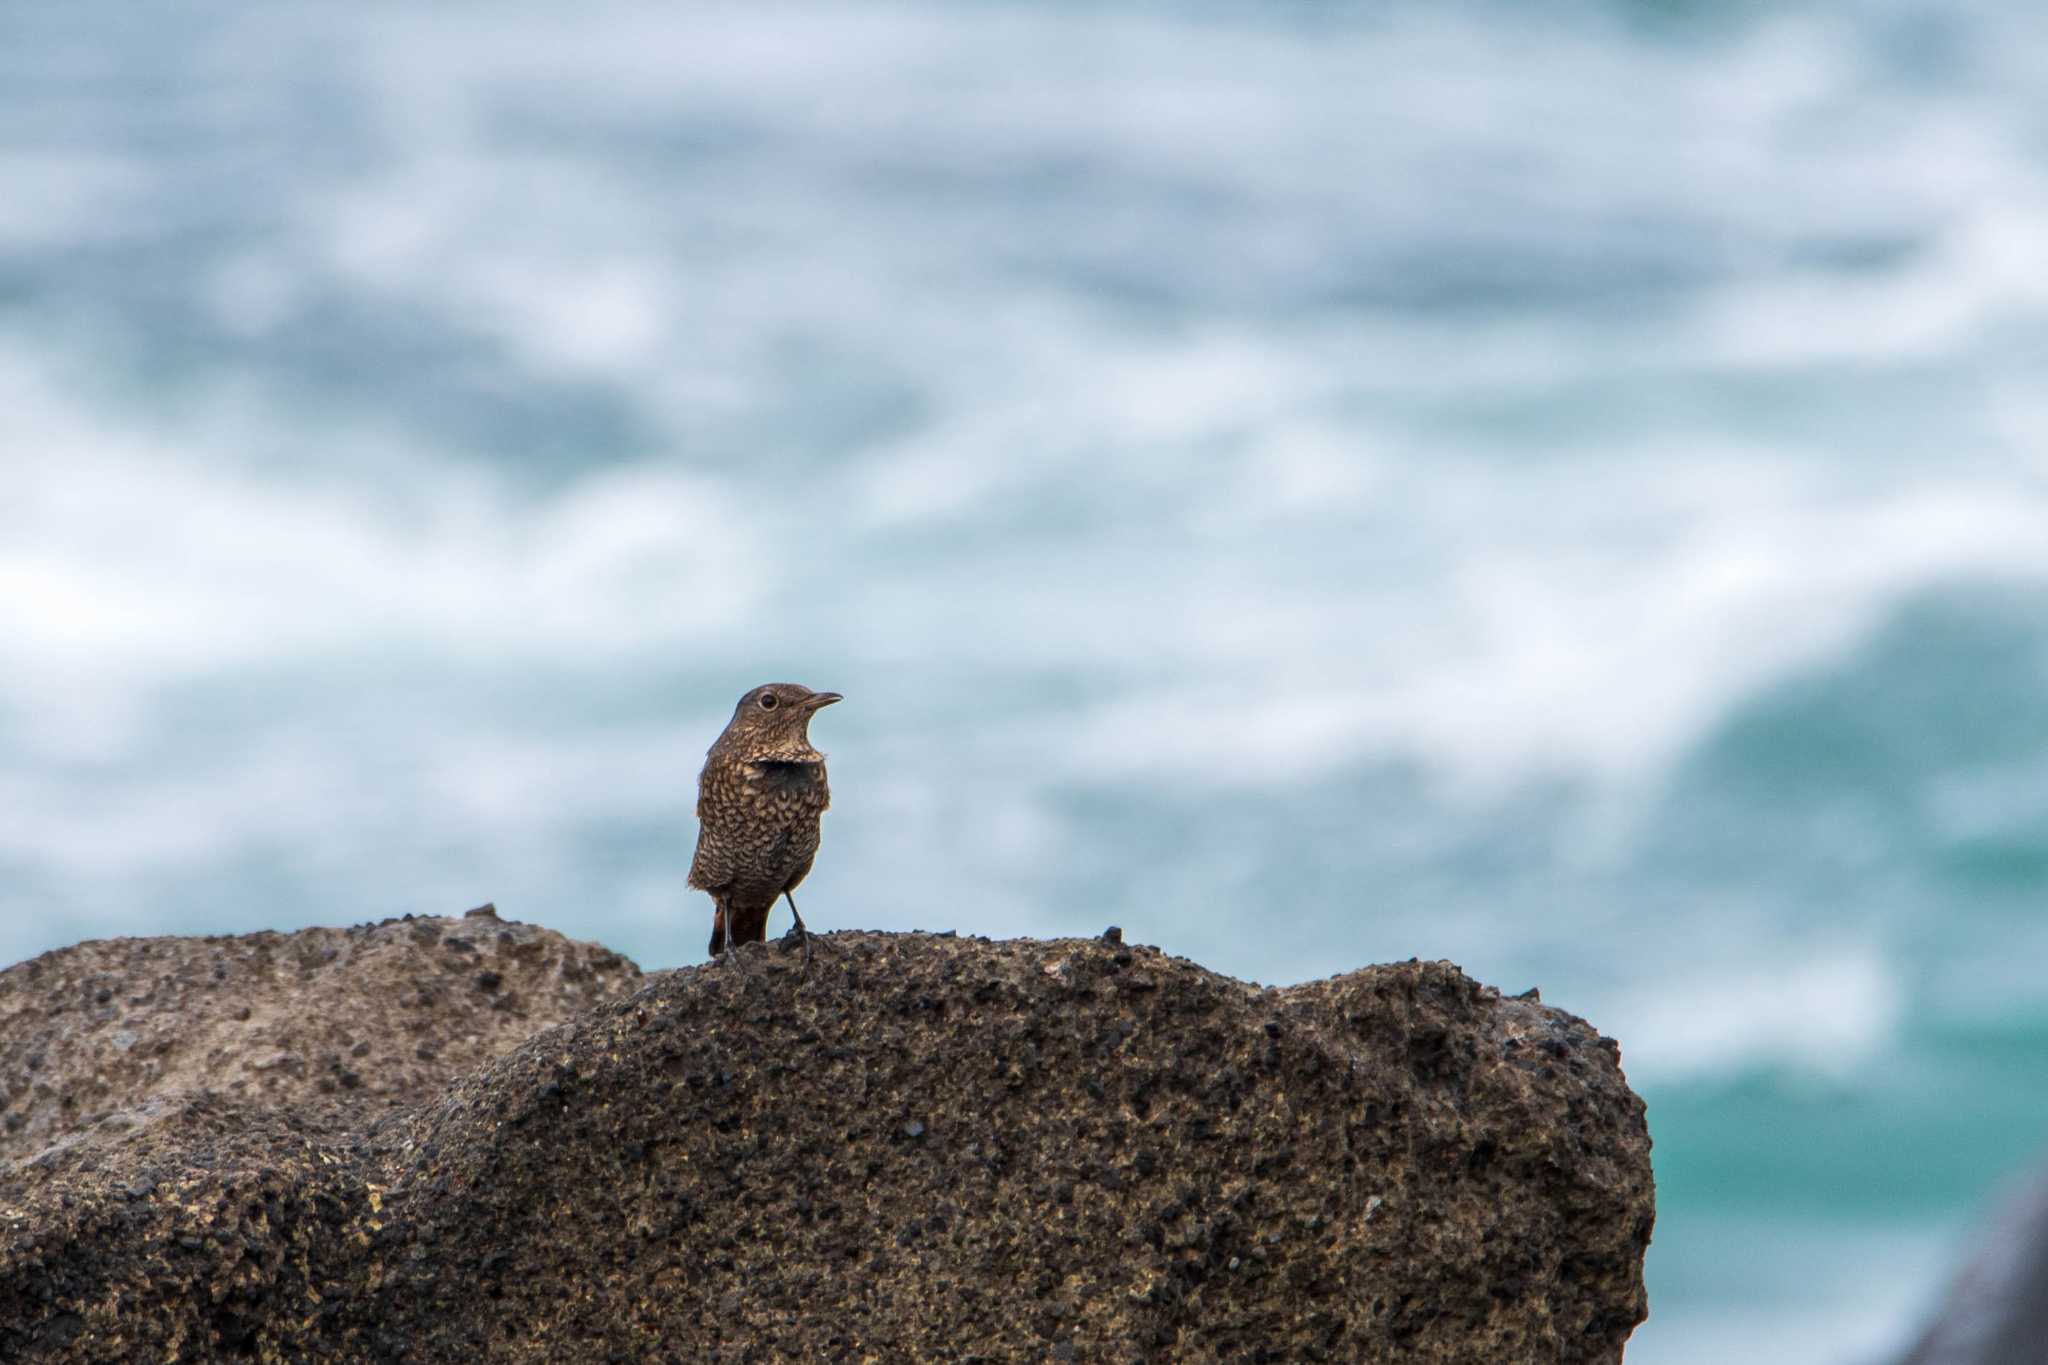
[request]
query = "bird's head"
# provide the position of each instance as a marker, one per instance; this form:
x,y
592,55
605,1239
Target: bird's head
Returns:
x,y
773,722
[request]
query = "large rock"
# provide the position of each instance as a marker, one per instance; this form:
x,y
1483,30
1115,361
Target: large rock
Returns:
x,y
925,1148
1996,1311
340,1023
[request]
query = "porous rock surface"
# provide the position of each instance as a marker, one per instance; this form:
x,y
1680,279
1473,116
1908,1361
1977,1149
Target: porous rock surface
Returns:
x,y
343,1023
922,1148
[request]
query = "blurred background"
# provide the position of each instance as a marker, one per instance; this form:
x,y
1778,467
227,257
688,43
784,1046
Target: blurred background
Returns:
x,y
1561,488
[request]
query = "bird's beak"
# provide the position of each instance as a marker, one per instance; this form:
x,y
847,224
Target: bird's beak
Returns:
x,y
818,699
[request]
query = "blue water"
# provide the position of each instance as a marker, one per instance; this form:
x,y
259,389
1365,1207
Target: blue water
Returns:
x,y
1561,488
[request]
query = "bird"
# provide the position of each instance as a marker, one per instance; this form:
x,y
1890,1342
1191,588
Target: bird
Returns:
x,y
758,802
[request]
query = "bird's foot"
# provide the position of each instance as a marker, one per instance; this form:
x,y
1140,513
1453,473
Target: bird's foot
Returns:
x,y
799,939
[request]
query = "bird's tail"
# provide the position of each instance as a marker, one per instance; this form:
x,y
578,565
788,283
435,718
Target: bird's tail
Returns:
x,y
750,923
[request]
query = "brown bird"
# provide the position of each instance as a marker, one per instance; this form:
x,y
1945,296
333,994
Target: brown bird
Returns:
x,y
758,802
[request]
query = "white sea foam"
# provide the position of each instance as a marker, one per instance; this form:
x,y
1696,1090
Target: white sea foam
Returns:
x,y
1592,618
131,549
1814,1011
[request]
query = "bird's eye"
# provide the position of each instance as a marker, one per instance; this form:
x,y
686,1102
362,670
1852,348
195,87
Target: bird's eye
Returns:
x,y
767,701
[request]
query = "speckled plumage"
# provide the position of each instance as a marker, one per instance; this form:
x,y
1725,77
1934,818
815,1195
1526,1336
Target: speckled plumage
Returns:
x,y
758,802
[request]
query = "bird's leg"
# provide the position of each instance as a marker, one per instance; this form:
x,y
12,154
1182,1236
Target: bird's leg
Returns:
x,y
728,953
797,931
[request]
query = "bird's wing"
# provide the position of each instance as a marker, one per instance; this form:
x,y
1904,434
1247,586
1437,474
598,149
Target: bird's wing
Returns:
x,y
712,868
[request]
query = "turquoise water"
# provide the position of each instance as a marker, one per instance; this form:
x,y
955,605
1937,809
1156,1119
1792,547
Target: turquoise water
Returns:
x,y
1311,485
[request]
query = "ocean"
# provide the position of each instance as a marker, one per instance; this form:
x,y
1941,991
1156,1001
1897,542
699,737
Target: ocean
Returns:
x,y
1562,489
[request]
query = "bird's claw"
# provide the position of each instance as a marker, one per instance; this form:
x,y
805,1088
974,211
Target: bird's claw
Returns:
x,y
799,939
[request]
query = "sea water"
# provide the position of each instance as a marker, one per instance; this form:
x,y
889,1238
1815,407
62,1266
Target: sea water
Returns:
x,y
1560,488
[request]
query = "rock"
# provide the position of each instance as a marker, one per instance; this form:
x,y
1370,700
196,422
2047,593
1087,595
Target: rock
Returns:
x,y
923,1148
1996,1311
265,1018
